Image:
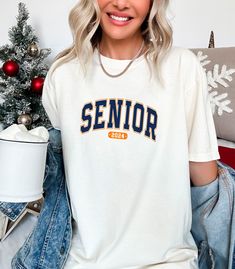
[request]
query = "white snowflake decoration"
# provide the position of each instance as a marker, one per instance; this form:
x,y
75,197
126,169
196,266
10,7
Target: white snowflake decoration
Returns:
x,y
215,77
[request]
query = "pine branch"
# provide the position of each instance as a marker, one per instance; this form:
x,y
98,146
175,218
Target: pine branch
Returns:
x,y
23,15
22,32
15,92
5,51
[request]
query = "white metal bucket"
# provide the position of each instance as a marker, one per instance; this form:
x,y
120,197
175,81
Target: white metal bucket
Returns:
x,y
22,168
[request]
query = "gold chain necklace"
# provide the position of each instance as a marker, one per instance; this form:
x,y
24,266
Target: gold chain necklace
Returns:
x,y
126,68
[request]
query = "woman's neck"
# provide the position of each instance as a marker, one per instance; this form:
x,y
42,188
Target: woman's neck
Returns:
x,y
120,49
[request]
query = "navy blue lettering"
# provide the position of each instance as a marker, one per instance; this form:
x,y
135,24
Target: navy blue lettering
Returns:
x,y
126,124
99,114
87,118
134,123
114,114
151,125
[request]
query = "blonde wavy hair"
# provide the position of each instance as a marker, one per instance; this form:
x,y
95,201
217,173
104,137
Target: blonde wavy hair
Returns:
x,y
84,21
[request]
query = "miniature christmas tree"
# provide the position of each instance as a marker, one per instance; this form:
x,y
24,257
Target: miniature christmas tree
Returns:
x,y
22,76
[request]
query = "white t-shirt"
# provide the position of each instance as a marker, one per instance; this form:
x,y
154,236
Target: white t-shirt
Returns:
x,y
127,143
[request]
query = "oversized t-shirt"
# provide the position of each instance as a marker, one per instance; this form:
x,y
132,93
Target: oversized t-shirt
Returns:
x,y
127,143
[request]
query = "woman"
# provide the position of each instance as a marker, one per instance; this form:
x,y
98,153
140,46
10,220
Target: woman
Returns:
x,y
136,126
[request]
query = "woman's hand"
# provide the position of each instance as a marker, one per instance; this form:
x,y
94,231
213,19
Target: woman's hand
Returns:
x,y
203,173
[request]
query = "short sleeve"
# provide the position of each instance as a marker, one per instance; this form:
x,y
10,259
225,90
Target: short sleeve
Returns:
x,y
49,101
202,140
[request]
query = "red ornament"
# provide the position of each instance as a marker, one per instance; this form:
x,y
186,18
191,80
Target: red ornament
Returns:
x,y
37,84
10,68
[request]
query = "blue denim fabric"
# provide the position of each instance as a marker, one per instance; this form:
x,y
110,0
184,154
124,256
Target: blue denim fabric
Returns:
x,y
12,210
47,246
233,258
213,225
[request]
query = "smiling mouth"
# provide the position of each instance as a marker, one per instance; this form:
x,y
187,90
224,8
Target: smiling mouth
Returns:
x,y
118,18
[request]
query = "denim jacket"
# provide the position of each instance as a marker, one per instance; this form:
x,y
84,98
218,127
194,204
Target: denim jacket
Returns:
x,y
47,246
213,224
